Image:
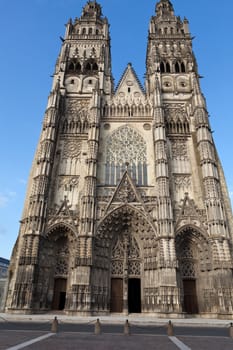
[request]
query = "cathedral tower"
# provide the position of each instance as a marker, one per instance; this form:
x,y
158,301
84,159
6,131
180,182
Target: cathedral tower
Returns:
x,y
127,208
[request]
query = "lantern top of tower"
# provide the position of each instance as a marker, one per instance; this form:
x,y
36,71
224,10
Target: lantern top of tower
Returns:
x,y
92,9
164,8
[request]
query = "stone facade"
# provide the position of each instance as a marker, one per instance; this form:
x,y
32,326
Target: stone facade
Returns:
x,y
127,208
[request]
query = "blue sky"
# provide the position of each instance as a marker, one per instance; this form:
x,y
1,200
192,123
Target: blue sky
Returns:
x,y
30,43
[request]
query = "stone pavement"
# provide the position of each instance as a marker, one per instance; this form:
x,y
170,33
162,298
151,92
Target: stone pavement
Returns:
x,y
16,340
117,319
84,341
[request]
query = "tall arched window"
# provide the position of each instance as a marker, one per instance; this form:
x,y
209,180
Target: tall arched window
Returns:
x,y
126,149
91,66
168,70
162,68
177,67
182,67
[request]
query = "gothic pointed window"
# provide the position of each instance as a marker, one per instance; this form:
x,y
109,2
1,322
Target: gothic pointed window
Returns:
x,y
88,67
168,70
182,67
78,67
91,66
162,67
126,149
74,66
177,67
71,66
94,66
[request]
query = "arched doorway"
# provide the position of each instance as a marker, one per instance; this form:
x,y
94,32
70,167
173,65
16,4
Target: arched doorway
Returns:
x,y
61,270
125,275
59,294
122,248
56,262
193,256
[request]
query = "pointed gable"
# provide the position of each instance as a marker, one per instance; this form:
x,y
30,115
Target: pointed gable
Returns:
x,y
126,192
62,214
189,213
129,84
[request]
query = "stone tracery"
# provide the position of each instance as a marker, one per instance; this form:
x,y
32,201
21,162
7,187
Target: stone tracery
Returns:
x,y
126,148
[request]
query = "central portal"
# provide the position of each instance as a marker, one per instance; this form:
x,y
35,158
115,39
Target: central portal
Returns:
x,y
125,272
134,295
59,295
116,304
190,296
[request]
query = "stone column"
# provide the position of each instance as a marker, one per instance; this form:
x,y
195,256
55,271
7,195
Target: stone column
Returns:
x,y
214,203
167,284
88,214
32,223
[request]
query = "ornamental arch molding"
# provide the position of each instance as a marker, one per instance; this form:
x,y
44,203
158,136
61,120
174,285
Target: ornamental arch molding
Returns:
x,y
194,257
124,228
193,251
61,228
58,250
122,217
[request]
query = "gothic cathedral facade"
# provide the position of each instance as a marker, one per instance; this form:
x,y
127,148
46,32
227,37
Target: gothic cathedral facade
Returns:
x,y
127,208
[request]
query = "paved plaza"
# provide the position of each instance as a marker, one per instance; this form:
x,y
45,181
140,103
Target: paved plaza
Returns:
x,y
34,332
15,340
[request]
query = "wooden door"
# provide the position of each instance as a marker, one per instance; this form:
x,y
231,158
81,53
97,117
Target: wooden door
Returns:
x,y
190,296
59,294
116,304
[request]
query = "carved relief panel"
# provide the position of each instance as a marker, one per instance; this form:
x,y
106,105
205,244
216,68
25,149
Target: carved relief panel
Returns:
x,y
76,116
180,167
179,155
126,257
70,169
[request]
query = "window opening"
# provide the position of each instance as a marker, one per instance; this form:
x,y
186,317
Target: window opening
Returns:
x,y
168,70
177,67
162,68
182,67
126,146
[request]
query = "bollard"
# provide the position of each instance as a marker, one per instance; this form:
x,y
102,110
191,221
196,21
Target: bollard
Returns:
x,y
97,327
54,327
127,328
170,329
231,330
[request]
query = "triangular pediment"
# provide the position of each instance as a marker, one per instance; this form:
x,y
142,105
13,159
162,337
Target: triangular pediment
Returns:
x,y
126,192
129,85
61,213
188,208
189,213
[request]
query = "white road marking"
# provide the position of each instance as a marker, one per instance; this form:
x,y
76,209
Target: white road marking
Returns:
x,y
179,343
30,342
